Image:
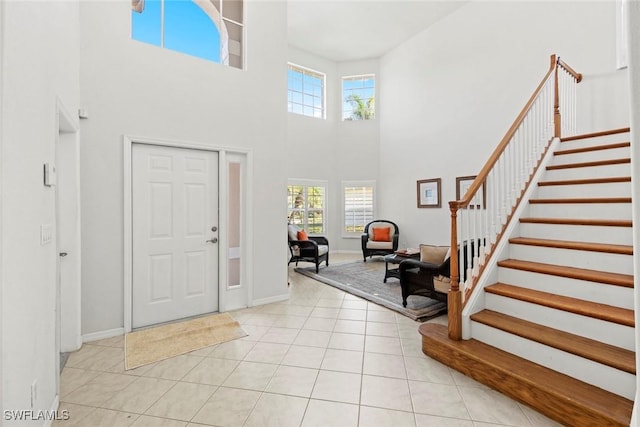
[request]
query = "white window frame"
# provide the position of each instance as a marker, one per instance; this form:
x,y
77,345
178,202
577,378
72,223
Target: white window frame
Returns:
x,y
344,95
362,183
310,72
306,183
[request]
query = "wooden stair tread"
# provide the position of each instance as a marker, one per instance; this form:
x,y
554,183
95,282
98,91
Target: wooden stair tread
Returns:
x,y
581,246
595,134
594,148
617,279
589,164
558,396
578,221
582,200
596,351
586,181
591,309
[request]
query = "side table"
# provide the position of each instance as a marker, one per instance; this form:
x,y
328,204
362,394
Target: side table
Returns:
x,y
395,259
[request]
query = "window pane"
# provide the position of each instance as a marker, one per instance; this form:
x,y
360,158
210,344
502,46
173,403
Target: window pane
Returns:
x,y
145,25
358,208
358,94
309,85
189,30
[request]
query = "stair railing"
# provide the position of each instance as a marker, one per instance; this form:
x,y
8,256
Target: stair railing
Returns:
x,y
481,216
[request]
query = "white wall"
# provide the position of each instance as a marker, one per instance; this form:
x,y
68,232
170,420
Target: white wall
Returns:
x,y
40,63
131,88
331,149
451,92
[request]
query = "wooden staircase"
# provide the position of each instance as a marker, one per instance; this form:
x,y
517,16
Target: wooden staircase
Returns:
x,y
557,329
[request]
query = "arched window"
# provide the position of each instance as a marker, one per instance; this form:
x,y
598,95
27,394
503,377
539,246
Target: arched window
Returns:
x,y
208,29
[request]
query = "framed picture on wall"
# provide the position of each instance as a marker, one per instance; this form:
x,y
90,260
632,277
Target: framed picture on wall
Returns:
x,y
429,193
462,185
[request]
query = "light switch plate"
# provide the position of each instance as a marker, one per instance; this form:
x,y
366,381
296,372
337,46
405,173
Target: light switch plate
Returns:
x,y
46,234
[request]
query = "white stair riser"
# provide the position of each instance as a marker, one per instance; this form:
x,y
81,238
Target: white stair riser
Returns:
x,y
581,210
617,296
610,189
592,156
606,171
603,376
614,263
607,332
578,233
594,142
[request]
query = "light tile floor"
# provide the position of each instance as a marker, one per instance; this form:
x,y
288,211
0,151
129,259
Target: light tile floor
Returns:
x,y
322,358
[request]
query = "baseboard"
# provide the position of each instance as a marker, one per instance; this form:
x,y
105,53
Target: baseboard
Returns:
x,y
269,300
109,333
53,410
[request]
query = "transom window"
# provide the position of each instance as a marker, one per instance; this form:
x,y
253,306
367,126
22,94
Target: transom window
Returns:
x,y
305,90
307,204
207,29
358,205
358,97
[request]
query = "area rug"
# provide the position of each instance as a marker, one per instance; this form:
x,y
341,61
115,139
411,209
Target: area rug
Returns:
x,y
169,340
364,279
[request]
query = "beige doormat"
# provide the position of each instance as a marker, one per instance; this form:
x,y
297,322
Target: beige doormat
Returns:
x,y
166,341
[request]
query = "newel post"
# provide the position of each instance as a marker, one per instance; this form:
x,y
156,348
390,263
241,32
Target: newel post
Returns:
x,y
556,98
454,301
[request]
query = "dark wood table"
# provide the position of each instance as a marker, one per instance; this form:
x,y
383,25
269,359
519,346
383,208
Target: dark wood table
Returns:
x,y
396,258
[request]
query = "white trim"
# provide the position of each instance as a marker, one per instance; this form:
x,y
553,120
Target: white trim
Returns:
x,y
302,69
53,410
101,335
622,35
270,300
2,242
223,232
128,141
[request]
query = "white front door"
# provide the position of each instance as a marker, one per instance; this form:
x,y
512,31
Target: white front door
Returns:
x,y
175,233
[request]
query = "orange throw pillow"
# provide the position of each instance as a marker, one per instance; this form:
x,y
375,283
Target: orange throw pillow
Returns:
x,y
302,235
382,234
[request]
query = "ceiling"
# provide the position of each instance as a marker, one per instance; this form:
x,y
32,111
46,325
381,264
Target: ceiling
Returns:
x,y
348,30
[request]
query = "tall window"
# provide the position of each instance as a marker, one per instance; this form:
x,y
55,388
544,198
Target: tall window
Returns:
x,y
358,205
305,91
210,30
359,97
307,205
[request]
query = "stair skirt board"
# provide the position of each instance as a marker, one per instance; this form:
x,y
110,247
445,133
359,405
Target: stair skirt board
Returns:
x,y
597,374
616,296
614,263
585,326
608,189
578,233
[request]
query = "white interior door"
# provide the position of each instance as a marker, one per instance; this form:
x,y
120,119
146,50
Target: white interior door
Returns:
x,y
175,233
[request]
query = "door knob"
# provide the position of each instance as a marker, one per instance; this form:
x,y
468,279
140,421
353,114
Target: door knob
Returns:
x,y
63,254
214,228
214,240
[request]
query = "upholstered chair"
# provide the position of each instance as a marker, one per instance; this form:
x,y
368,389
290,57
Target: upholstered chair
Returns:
x,y
380,237
306,248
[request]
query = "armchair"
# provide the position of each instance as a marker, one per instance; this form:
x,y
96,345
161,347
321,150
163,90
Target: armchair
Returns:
x,y
380,237
430,275
304,248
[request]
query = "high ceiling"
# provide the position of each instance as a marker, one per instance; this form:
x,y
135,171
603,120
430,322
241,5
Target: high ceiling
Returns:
x,y
348,30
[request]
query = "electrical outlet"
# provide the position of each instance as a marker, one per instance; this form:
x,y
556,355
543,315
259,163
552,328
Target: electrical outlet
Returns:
x,y
46,234
34,393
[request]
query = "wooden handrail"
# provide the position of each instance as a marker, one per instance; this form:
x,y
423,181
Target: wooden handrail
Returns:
x,y
568,69
482,176
455,295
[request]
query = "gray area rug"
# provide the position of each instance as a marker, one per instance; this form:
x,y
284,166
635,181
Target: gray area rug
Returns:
x,y
364,279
